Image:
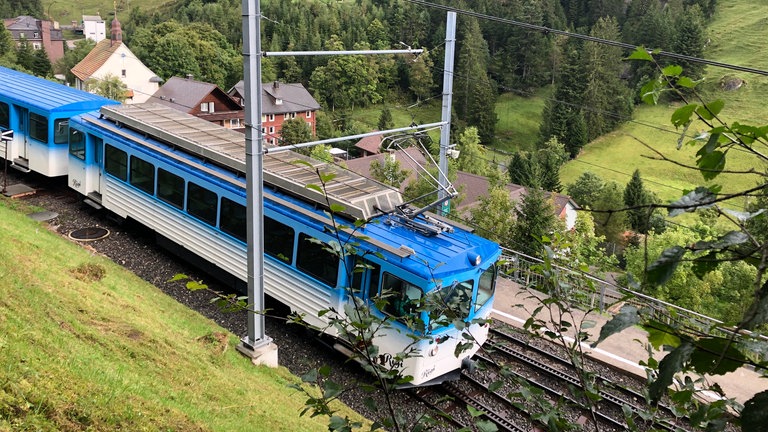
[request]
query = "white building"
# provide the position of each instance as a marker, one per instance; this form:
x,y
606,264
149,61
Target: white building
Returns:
x,y
94,28
112,57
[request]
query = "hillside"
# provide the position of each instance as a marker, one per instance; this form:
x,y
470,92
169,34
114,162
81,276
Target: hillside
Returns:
x,y
86,345
736,33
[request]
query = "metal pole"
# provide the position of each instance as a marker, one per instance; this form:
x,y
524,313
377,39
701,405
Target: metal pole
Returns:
x,y
254,163
445,132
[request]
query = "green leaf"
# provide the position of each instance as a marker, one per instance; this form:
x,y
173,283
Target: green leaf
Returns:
x,y
650,92
670,365
662,269
711,164
710,110
699,198
640,53
672,70
627,317
314,187
705,264
337,208
754,416
716,356
686,82
682,116
661,335
731,238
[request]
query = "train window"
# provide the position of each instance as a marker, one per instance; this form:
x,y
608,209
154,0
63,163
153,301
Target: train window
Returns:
x,y
5,115
38,127
233,217
313,258
77,143
278,240
202,203
60,131
116,162
404,298
486,287
143,175
365,274
170,188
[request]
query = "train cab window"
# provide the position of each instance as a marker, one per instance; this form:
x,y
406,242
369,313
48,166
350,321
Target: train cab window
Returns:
x,y
143,175
77,143
313,259
5,115
38,127
404,297
60,131
202,203
233,217
278,240
116,162
170,188
486,287
365,277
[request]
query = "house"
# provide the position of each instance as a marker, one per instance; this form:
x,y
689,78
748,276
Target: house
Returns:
x,y
112,57
201,99
370,145
472,186
40,34
280,102
94,28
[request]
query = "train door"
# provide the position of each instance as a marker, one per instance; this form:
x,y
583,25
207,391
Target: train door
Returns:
x,y
365,278
95,168
23,133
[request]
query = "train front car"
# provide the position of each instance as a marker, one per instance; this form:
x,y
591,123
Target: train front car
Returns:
x,y
184,178
38,113
437,299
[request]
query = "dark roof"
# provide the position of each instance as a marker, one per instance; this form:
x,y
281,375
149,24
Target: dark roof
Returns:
x,y
280,98
370,144
26,23
185,94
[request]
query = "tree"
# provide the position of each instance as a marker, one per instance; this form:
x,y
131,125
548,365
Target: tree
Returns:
x,y
610,221
474,94
587,189
385,119
523,170
389,172
295,131
471,154
41,65
420,81
109,86
534,219
6,41
72,57
690,40
635,195
494,216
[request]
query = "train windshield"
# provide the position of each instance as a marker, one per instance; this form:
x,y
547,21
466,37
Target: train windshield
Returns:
x,y
450,303
486,287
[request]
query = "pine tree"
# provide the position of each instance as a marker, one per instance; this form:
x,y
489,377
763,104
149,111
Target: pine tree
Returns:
x,y
534,219
690,39
385,119
635,195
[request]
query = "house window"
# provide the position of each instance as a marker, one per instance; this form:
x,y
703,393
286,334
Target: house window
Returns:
x,y
204,107
235,123
35,35
123,73
211,107
263,118
36,45
271,130
308,114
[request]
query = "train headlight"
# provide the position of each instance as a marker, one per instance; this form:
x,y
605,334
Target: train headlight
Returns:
x,y
433,350
474,258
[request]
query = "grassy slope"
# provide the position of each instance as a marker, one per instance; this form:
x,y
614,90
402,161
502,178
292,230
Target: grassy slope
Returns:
x,y
737,33
65,11
117,353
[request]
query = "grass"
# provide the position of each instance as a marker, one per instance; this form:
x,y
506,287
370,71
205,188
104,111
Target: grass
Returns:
x,y
87,345
65,11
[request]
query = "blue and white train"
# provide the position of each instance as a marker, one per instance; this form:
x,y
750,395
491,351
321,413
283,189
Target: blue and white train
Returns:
x,y
184,178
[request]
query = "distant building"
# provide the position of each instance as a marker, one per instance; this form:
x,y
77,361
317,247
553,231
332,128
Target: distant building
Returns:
x,y
112,57
40,34
94,28
201,99
280,102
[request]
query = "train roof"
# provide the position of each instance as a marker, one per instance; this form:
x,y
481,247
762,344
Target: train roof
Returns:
x,y
361,197
197,140
28,90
